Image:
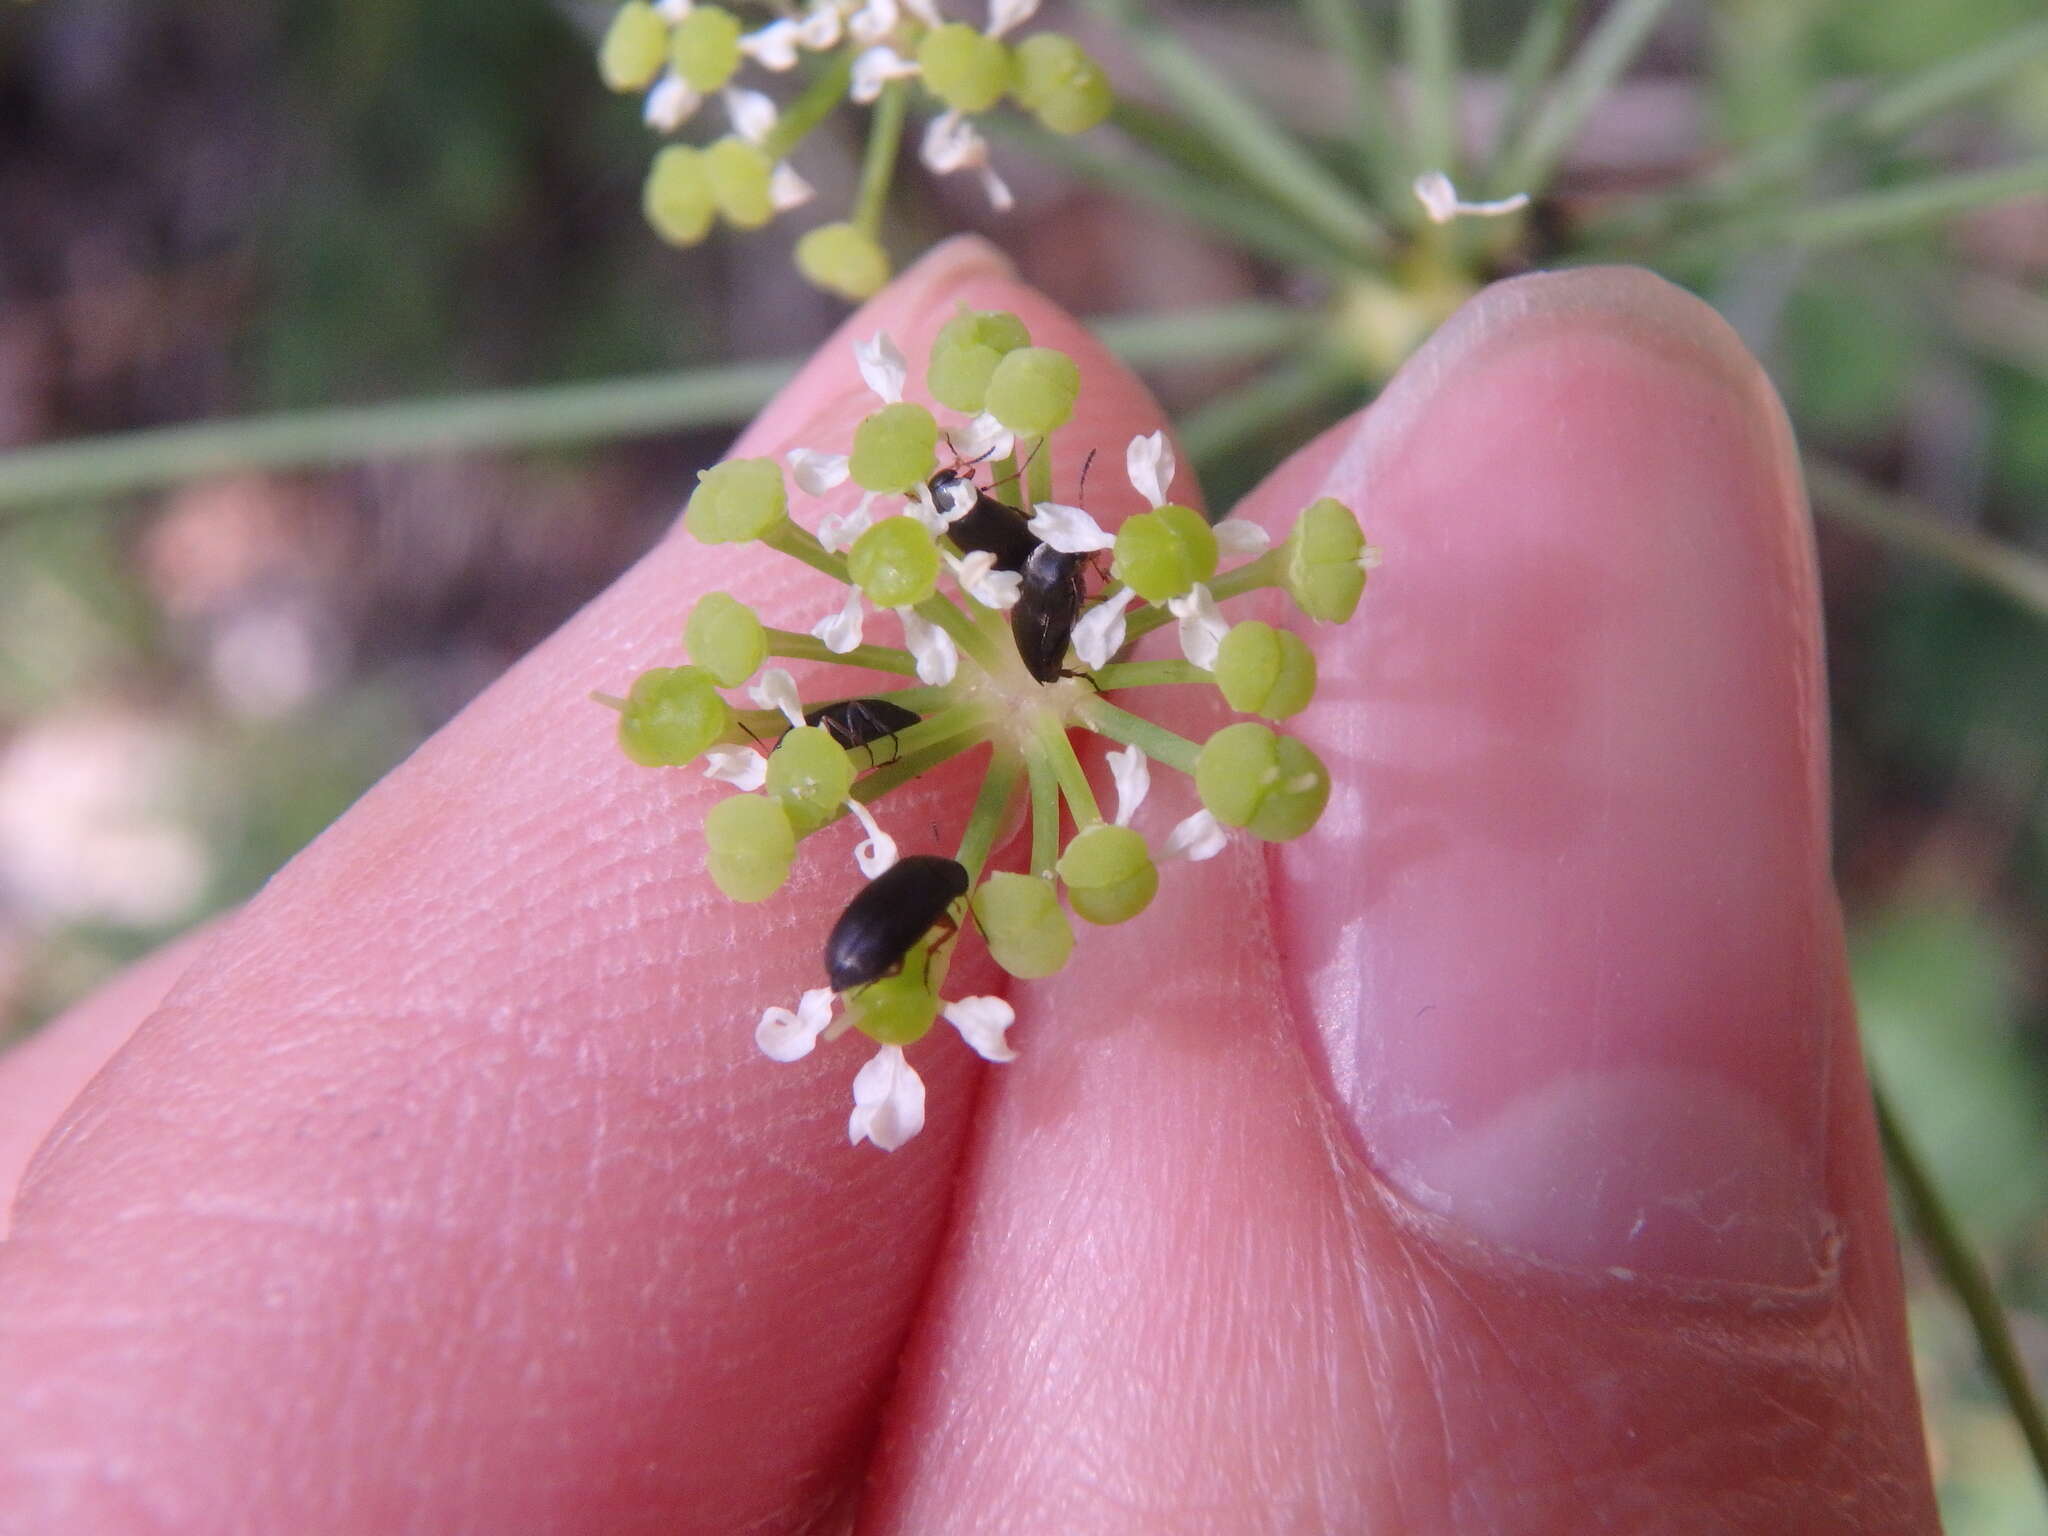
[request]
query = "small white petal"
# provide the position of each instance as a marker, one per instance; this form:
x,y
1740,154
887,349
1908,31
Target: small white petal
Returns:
x,y
1239,538
1132,774
877,851
1007,15
996,190
741,767
882,366
752,114
952,143
982,438
1441,202
1196,838
670,103
787,190
1100,633
1369,557
816,473
673,11
838,530
1068,529
786,1036
777,690
820,28
774,46
937,657
980,580
1149,462
841,632
1202,625
876,68
888,1101
875,19
981,1022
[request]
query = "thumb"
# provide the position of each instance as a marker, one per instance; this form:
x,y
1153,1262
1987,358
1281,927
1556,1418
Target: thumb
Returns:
x,y
1506,1161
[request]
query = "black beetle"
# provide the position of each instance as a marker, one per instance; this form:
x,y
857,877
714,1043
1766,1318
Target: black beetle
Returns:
x,y
994,526
1048,604
856,722
896,909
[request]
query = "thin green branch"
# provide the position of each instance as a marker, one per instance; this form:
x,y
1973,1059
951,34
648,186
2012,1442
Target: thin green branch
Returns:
x,y
878,165
1226,425
1276,162
812,106
1966,1276
1895,520
985,821
1045,814
1143,674
1875,215
1348,32
1607,52
1429,40
1537,51
1155,741
788,645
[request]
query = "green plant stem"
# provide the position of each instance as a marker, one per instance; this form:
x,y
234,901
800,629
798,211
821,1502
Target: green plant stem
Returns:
x,y
1271,158
1608,51
1895,520
1227,424
1143,674
1058,752
1155,741
1045,814
878,165
1537,51
1874,215
940,610
1038,477
801,544
1348,32
812,106
880,658
1429,41
1966,1276
985,821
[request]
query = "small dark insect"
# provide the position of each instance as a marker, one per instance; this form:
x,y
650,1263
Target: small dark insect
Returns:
x,y
898,907
991,525
1048,604
856,722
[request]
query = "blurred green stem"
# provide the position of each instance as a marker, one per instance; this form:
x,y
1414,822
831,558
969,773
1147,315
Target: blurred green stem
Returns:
x,y
1966,1276
1874,215
1233,421
1429,40
810,108
1536,54
1348,32
878,165
1608,51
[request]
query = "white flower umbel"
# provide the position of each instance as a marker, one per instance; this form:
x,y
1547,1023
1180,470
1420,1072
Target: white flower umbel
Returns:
x,y
670,103
888,1101
777,690
1239,538
1440,201
787,189
842,631
752,114
741,767
982,1022
773,47
816,473
1202,625
1068,529
786,1036
1132,774
881,366
874,69
876,852
952,143
1100,633
937,657
875,19
979,579
1194,838
1149,462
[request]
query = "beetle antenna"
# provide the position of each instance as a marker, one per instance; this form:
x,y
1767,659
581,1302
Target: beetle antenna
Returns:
x,y
1081,490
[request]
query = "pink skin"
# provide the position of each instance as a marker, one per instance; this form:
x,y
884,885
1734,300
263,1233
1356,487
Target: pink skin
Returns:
x,y
1502,1165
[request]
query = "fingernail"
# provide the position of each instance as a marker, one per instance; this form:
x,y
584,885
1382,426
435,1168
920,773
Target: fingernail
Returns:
x,y
1567,933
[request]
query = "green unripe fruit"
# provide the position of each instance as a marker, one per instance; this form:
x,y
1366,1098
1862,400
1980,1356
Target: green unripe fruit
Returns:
x,y
842,259
1108,873
705,47
633,48
810,774
739,174
1054,79
1323,570
1032,390
895,449
677,197
1164,552
672,714
1270,785
897,1010
748,847
738,500
725,638
963,68
1027,933
965,354
1265,671
895,563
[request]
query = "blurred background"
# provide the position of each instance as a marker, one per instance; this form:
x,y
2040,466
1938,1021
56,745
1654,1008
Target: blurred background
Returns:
x,y
209,649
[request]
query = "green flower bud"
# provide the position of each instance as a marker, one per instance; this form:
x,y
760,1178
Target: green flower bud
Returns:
x,y
677,197
724,637
842,259
748,846
739,174
672,714
738,500
963,67
1265,671
1054,79
1325,567
705,47
895,563
895,449
1271,785
1108,873
1032,390
897,1010
1027,933
810,774
965,354
1164,552
634,44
